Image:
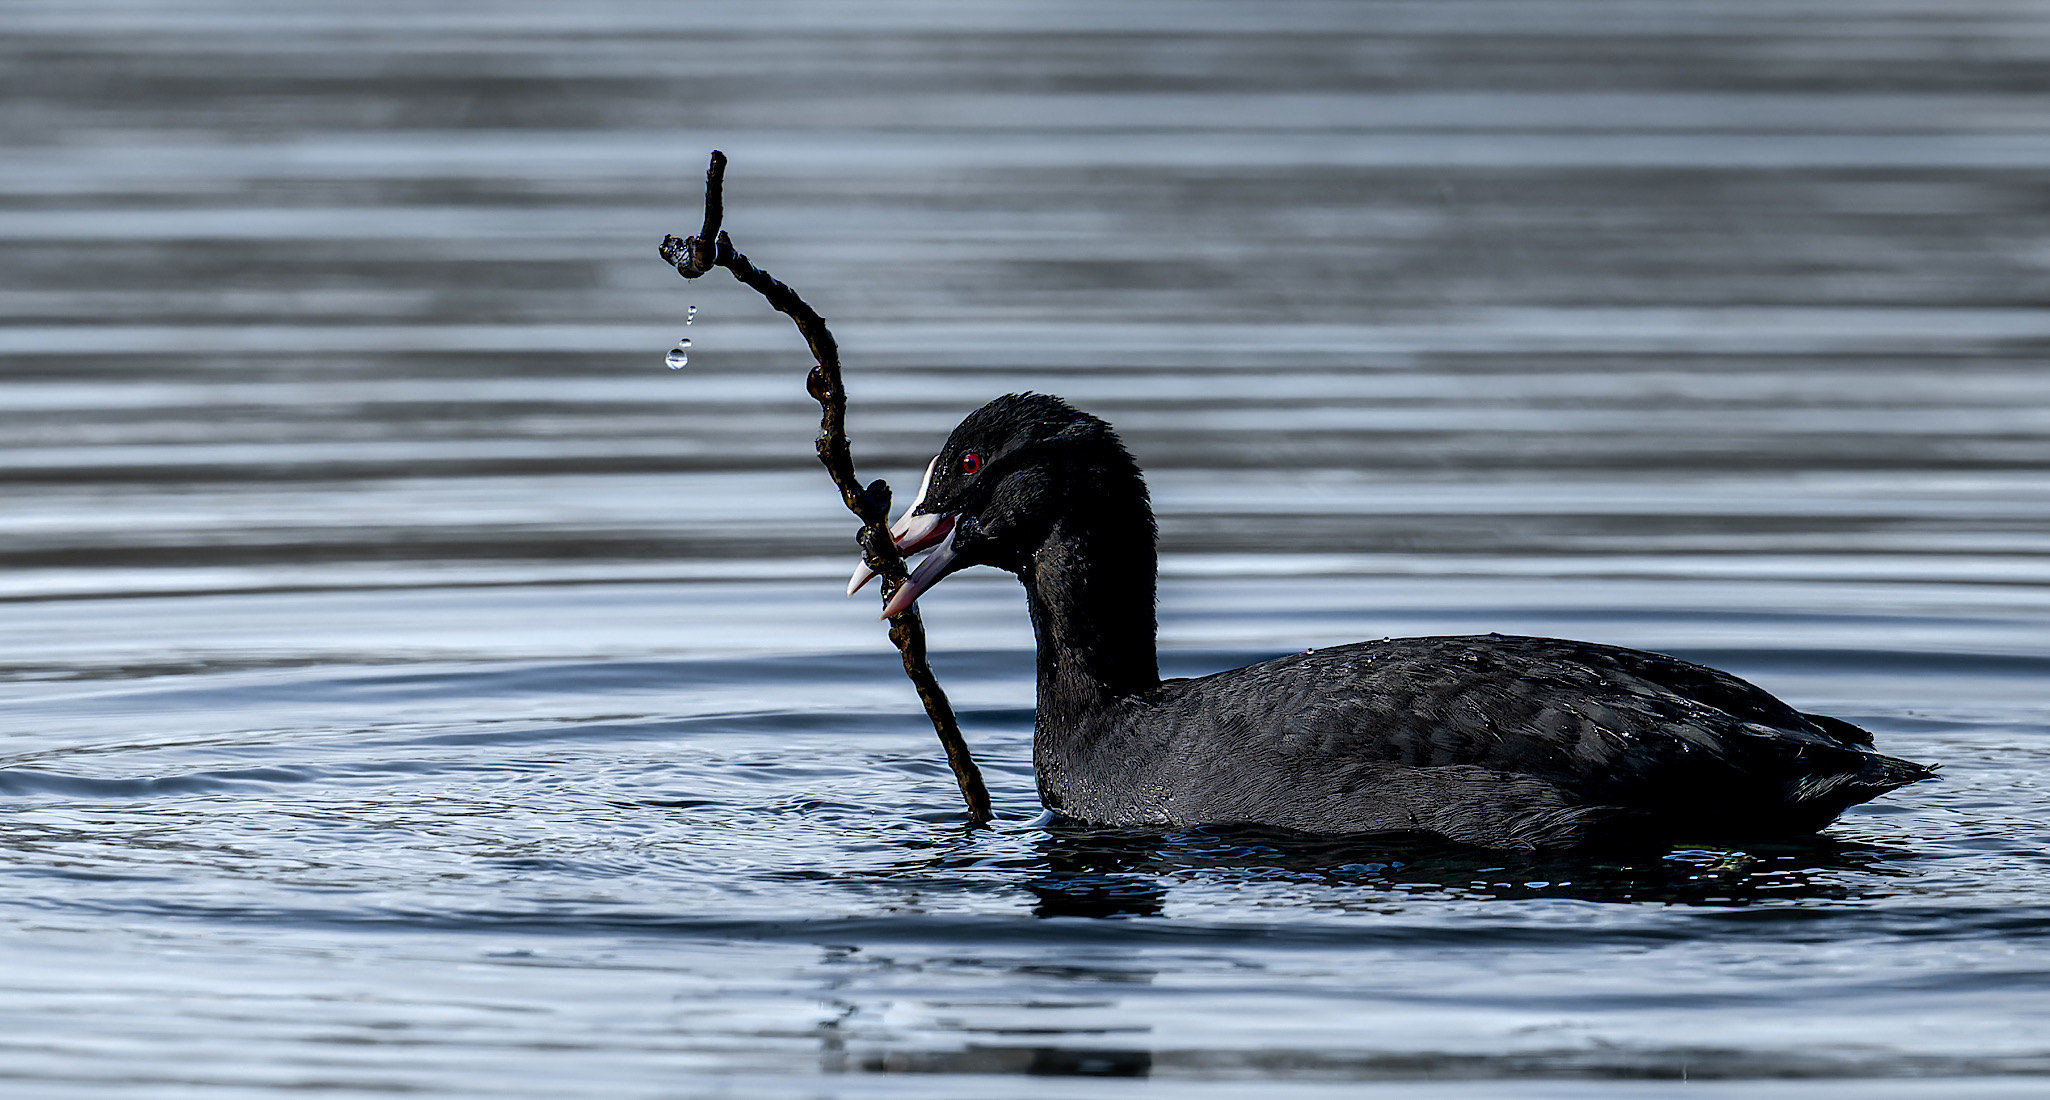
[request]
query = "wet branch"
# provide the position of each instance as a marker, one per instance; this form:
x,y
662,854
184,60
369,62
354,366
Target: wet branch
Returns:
x,y
694,256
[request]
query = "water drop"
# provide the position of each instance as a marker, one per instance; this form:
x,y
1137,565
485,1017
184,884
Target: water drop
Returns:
x,y
679,356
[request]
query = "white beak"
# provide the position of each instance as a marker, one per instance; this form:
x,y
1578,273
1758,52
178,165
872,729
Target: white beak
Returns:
x,y
928,572
911,533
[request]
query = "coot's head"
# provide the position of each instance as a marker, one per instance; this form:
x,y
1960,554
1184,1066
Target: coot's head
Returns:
x,y
1008,475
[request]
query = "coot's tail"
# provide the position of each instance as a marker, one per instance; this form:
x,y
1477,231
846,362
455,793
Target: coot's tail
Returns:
x,y
1820,798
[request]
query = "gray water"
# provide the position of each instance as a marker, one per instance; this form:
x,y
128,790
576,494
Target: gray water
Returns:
x,y
411,686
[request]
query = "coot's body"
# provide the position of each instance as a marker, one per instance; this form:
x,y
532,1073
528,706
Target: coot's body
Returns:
x,y
1494,741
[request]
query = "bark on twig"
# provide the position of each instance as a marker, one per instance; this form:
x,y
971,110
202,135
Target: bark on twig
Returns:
x,y
694,256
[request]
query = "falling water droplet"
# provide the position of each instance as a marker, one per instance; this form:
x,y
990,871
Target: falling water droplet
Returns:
x,y
679,356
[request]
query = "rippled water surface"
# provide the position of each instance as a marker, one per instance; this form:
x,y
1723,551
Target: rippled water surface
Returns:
x,y
411,686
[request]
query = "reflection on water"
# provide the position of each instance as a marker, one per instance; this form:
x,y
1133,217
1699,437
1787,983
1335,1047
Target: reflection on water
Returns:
x,y
1109,873
413,687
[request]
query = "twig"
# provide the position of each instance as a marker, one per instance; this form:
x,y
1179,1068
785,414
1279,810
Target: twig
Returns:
x,y
694,256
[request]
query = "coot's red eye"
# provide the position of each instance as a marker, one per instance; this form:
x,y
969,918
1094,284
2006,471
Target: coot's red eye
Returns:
x,y
970,462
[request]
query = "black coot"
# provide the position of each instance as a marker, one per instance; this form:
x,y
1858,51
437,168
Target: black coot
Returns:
x,y
1495,741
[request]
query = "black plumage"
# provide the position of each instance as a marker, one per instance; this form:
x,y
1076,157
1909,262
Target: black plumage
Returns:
x,y
1502,742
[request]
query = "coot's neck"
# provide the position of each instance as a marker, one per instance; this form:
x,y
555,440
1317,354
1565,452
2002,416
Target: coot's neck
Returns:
x,y
1090,589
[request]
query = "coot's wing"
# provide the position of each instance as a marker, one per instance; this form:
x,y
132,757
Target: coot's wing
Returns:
x,y
1610,725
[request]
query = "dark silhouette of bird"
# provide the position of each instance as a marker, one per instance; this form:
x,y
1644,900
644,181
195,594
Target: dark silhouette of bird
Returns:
x,y
1492,741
